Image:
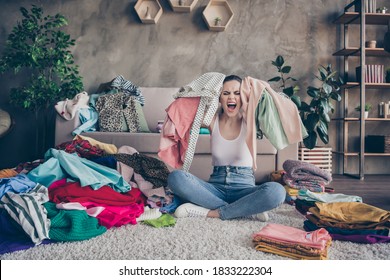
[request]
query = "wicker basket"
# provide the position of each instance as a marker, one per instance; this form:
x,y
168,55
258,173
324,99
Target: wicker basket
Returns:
x,y
319,156
377,144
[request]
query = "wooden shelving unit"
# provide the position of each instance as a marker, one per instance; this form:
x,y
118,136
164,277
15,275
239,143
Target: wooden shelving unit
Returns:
x,y
218,9
362,19
183,6
143,8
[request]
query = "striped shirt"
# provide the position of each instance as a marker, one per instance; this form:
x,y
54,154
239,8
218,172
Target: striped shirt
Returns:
x,y
27,210
128,87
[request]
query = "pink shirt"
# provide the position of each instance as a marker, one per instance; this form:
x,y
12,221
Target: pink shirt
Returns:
x,y
316,239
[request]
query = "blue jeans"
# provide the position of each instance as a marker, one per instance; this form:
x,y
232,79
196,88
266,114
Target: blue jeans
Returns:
x,y
230,189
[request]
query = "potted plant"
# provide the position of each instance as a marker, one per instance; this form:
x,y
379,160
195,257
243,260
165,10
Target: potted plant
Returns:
x,y
285,81
217,21
38,50
315,115
367,108
381,10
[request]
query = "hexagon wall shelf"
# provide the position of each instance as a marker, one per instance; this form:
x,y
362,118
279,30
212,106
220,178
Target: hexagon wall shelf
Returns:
x,y
185,7
149,11
218,9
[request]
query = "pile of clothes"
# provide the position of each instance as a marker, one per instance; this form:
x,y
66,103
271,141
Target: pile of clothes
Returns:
x,y
299,175
304,175
350,221
116,106
78,191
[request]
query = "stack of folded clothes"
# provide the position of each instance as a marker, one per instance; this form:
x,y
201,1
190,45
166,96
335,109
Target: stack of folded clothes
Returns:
x,y
300,175
292,242
304,175
306,199
350,221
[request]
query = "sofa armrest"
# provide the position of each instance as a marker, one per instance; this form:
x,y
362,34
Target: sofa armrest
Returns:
x,y
64,128
290,152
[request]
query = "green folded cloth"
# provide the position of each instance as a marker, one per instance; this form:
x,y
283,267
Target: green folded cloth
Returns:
x,y
72,225
165,220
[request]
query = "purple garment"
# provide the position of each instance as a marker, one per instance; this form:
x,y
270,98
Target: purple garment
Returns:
x,y
357,238
304,171
12,236
369,238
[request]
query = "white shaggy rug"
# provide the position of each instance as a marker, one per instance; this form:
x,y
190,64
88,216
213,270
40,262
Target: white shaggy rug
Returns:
x,y
191,239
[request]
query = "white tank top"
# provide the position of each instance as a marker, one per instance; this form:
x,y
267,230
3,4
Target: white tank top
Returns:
x,y
230,152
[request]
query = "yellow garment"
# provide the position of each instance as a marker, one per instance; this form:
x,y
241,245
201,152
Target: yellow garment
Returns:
x,y
7,173
349,212
321,223
108,148
298,252
291,191
291,255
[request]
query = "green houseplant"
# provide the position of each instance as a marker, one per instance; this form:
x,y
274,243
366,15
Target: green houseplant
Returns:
x,y
315,115
286,83
38,51
367,107
217,21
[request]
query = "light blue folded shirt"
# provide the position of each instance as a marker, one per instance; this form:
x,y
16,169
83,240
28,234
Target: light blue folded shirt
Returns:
x,y
60,164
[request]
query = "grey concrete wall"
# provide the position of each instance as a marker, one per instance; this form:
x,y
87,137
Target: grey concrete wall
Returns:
x,y
111,40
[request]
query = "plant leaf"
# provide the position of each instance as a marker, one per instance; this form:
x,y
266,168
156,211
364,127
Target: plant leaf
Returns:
x,y
311,121
275,79
327,88
313,92
279,61
289,91
297,100
286,69
311,140
322,131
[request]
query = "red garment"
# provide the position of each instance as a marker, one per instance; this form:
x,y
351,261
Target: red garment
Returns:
x,y
83,148
176,130
119,208
116,216
73,192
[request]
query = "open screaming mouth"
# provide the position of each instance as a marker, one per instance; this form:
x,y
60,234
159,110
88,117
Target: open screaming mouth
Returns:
x,y
232,106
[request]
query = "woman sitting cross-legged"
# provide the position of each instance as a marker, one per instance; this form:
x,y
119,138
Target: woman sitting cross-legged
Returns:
x,y
231,191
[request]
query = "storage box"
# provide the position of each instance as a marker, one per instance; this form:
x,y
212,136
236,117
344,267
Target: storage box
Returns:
x,y
319,156
377,144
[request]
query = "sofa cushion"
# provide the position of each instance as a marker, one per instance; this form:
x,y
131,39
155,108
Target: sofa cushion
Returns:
x,y
156,101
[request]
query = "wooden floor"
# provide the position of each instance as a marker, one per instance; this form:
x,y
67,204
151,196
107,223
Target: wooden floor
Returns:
x,y
374,189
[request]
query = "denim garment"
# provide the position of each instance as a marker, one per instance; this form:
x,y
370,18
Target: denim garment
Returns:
x,y
230,189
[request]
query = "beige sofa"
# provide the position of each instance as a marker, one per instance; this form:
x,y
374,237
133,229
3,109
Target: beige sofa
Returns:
x,y
156,101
